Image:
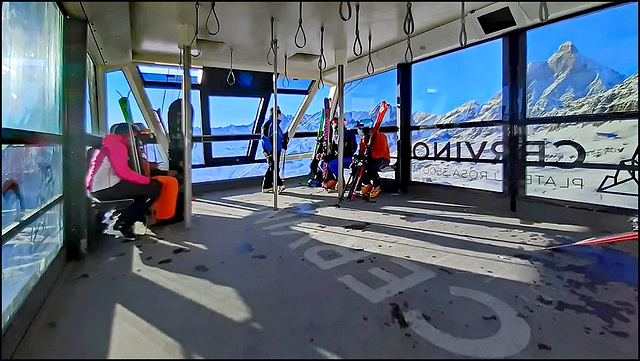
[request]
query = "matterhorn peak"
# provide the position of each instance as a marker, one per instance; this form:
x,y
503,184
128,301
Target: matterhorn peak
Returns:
x,y
568,47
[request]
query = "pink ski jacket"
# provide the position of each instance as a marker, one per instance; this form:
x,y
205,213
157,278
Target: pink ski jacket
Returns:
x,y
109,165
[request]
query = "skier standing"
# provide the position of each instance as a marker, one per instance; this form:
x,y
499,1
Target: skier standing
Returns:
x,y
378,158
267,148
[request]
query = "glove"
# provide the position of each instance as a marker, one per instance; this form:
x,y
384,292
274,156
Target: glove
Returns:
x,y
285,140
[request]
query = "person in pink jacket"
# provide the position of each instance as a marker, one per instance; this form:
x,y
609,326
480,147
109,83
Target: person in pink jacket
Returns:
x,y
110,178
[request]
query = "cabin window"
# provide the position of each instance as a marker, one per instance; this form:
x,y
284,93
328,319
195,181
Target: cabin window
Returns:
x,y
454,90
32,219
582,94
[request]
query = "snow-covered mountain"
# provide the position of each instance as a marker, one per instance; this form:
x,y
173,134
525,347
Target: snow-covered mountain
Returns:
x,y
566,76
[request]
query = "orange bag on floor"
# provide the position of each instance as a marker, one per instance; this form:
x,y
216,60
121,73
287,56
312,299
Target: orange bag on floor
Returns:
x,y
165,205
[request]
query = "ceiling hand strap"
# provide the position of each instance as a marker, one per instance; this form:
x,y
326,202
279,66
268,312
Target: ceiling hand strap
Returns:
x,y
285,82
231,78
322,61
543,11
341,13
304,36
408,28
357,43
271,50
370,62
462,38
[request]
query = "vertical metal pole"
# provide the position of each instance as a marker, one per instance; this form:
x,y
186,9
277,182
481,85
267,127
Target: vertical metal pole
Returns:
x,y
276,162
73,147
341,129
187,132
403,168
514,112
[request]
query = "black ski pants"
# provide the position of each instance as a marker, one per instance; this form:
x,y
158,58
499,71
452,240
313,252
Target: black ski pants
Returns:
x,y
268,176
143,195
371,169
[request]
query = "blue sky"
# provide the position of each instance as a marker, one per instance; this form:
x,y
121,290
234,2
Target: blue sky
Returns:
x,y
441,84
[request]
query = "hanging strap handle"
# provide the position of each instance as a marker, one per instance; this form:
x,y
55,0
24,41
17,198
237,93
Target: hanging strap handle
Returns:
x,y
356,42
213,11
462,38
340,11
304,36
370,62
231,78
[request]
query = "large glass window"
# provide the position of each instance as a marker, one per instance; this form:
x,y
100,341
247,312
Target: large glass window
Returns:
x,y
161,99
31,63
459,87
362,98
31,174
289,105
232,115
464,86
117,87
311,119
26,257
584,65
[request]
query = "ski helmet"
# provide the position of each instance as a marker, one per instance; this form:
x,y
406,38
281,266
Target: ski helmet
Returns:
x,y
365,124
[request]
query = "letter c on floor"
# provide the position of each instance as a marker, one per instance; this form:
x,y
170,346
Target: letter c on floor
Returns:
x,y
513,336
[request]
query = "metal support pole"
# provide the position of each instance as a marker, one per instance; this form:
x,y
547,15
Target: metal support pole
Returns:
x,y
403,168
187,132
341,129
73,148
274,124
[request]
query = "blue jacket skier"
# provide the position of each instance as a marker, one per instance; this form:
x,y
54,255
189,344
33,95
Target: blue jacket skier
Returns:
x,y
267,148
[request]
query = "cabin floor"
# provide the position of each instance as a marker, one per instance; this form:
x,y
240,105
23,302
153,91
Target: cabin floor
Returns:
x,y
411,276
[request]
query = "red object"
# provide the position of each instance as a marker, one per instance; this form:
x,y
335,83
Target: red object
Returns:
x,y
165,206
381,112
631,236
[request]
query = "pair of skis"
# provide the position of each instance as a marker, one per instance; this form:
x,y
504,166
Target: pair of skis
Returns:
x,y
326,140
354,180
322,139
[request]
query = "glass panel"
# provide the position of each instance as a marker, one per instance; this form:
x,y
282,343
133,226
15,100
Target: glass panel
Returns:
x,y
594,186
436,153
166,74
32,176
297,84
362,98
311,120
469,144
463,86
232,115
483,176
25,258
232,148
116,87
31,63
211,174
295,168
301,145
289,105
584,65
162,99
611,142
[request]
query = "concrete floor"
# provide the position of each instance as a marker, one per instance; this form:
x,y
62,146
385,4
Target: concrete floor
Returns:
x,y
406,277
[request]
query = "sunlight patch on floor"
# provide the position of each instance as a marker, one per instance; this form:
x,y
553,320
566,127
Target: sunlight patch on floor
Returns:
x,y
223,300
465,260
130,334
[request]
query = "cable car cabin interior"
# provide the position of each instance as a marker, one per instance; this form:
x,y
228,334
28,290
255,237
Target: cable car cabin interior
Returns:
x,y
479,197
